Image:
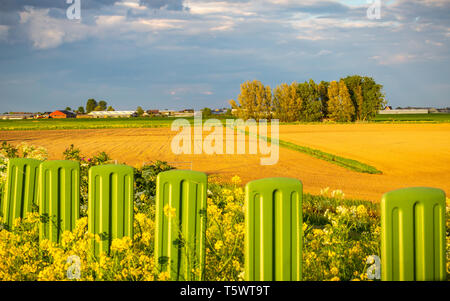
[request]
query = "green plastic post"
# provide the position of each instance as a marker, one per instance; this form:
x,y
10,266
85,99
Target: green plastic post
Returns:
x,y
110,204
20,189
181,223
413,235
273,227
59,198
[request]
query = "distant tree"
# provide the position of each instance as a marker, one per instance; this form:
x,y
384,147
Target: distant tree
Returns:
x,y
91,105
102,104
255,101
323,96
367,96
286,102
98,108
340,106
374,98
68,109
140,111
80,110
110,108
206,112
311,108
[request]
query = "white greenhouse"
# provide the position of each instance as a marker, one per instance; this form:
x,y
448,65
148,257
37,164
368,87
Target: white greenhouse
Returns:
x,y
112,114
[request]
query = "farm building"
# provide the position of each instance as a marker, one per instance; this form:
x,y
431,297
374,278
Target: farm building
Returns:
x,y
153,113
62,114
167,112
403,111
17,116
113,114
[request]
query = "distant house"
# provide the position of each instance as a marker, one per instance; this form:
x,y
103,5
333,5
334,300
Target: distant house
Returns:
x,y
167,112
62,114
153,112
45,115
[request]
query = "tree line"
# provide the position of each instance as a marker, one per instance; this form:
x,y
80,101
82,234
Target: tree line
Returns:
x,y
353,98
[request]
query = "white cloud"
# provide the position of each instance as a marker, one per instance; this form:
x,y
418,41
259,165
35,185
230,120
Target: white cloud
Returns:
x,y
47,32
390,59
220,7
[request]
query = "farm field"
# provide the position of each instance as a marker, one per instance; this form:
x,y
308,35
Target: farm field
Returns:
x,y
157,122
407,154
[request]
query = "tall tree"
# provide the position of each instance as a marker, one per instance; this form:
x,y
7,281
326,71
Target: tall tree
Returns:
x,y
91,105
374,98
311,109
286,102
367,96
323,96
102,104
140,111
340,106
255,101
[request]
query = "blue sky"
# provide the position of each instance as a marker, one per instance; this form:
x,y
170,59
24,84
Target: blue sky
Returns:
x,y
174,54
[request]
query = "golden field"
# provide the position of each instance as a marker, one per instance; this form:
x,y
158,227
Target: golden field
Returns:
x,y
407,154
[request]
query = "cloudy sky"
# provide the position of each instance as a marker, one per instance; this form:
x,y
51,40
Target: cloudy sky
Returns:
x,y
174,54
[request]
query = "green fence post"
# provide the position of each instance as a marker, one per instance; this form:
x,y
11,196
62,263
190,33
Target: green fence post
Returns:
x,y
59,198
273,227
20,189
181,223
413,235
110,204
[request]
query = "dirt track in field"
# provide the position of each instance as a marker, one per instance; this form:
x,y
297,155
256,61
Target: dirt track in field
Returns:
x,y
408,154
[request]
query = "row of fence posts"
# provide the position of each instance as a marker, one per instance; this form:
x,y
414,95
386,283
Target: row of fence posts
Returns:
x,y
412,219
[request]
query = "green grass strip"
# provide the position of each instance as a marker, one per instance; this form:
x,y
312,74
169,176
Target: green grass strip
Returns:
x,y
341,161
334,159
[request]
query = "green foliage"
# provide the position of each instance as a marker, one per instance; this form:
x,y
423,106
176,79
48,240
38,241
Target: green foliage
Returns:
x,y
354,98
80,110
102,104
140,111
86,162
206,112
311,108
91,105
145,178
366,95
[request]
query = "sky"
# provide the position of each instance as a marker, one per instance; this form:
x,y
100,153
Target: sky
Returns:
x,y
176,54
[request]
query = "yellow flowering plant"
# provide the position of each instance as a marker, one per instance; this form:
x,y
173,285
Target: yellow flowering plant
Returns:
x,y
339,238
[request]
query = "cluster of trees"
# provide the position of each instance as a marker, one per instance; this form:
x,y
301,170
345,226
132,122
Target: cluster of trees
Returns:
x,y
93,105
349,99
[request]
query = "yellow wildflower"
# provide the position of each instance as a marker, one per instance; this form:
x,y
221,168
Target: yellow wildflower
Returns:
x,y
236,180
218,245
